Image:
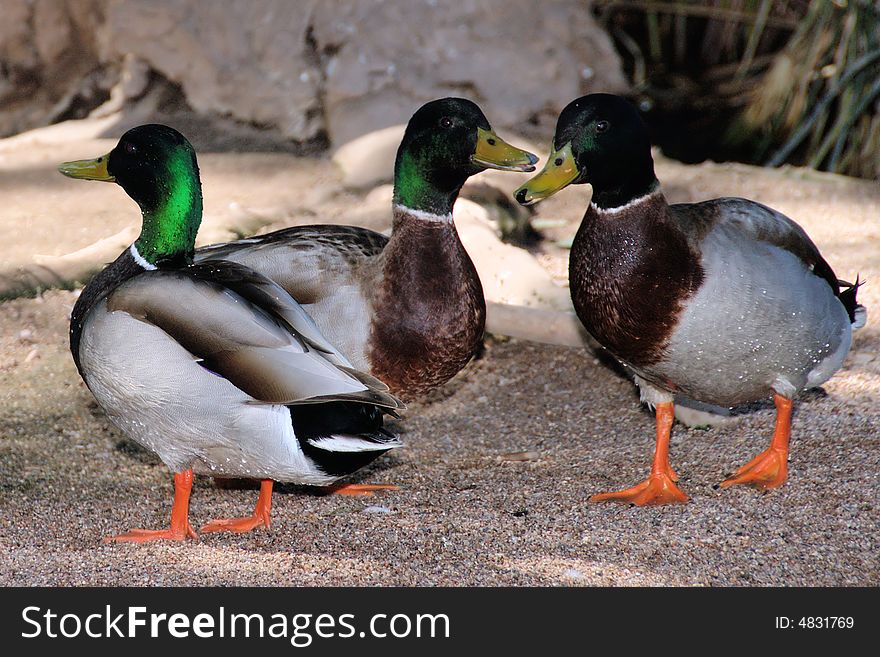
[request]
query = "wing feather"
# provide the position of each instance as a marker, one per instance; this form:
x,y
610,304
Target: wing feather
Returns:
x,y
758,222
246,329
309,262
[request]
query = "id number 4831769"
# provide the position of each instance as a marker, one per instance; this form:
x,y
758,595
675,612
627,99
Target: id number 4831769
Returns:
x,y
815,623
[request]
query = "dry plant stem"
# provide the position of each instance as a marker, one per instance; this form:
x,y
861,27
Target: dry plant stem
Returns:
x,y
754,37
702,11
794,141
845,128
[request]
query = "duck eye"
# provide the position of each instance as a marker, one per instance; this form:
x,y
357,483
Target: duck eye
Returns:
x,y
130,148
558,161
602,126
446,122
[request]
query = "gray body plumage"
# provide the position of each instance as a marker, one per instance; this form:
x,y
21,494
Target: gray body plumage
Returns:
x,y
202,374
409,309
332,271
761,321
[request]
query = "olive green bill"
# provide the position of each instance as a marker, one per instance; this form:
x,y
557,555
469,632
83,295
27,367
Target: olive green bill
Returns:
x,y
560,171
495,153
88,169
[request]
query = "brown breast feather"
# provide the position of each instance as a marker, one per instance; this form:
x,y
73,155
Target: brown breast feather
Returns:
x,y
429,312
630,273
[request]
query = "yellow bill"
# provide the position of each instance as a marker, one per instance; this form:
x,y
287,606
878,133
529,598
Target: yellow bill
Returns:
x,y
495,153
560,171
88,169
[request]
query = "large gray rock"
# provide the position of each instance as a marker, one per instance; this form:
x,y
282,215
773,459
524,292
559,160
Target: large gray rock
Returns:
x,y
518,59
48,61
306,69
252,61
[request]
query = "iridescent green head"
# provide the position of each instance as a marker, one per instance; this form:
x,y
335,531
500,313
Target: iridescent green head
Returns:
x,y
157,167
600,139
447,141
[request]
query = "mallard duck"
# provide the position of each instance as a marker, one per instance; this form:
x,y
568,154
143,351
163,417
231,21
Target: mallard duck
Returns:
x,y
725,301
211,365
409,309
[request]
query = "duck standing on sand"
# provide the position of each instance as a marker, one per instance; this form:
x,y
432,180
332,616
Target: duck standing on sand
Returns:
x,y
212,366
409,309
725,301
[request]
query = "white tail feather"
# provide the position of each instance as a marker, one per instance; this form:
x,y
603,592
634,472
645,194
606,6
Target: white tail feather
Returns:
x,y
352,444
861,318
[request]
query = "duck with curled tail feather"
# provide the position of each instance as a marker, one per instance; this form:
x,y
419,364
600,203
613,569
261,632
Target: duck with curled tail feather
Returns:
x,y
211,365
725,301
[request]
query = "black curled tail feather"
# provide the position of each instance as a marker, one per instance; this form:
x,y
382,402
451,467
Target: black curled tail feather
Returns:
x,y
316,424
847,296
335,418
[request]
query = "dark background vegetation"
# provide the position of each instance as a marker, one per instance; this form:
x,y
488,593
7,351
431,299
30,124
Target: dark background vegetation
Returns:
x,y
759,81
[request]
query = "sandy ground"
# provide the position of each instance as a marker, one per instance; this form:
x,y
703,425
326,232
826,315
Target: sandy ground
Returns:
x,y
472,509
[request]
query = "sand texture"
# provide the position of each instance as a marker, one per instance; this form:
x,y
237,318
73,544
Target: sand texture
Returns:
x,y
498,465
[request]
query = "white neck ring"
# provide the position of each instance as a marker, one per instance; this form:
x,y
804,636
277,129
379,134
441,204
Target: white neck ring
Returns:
x,y
625,206
138,258
424,216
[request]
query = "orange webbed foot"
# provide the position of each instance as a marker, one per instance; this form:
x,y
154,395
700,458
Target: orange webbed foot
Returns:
x,y
145,535
361,490
659,488
260,517
237,525
767,470
179,528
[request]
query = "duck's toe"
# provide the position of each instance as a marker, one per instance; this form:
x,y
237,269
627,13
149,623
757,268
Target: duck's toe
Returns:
x,y
659,488
361,490
767,470
145,535
237,525
179,528
260,518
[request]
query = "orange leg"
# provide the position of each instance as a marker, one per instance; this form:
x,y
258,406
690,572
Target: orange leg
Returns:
x,y
180,527
769,468
659,487
360,490
242,525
